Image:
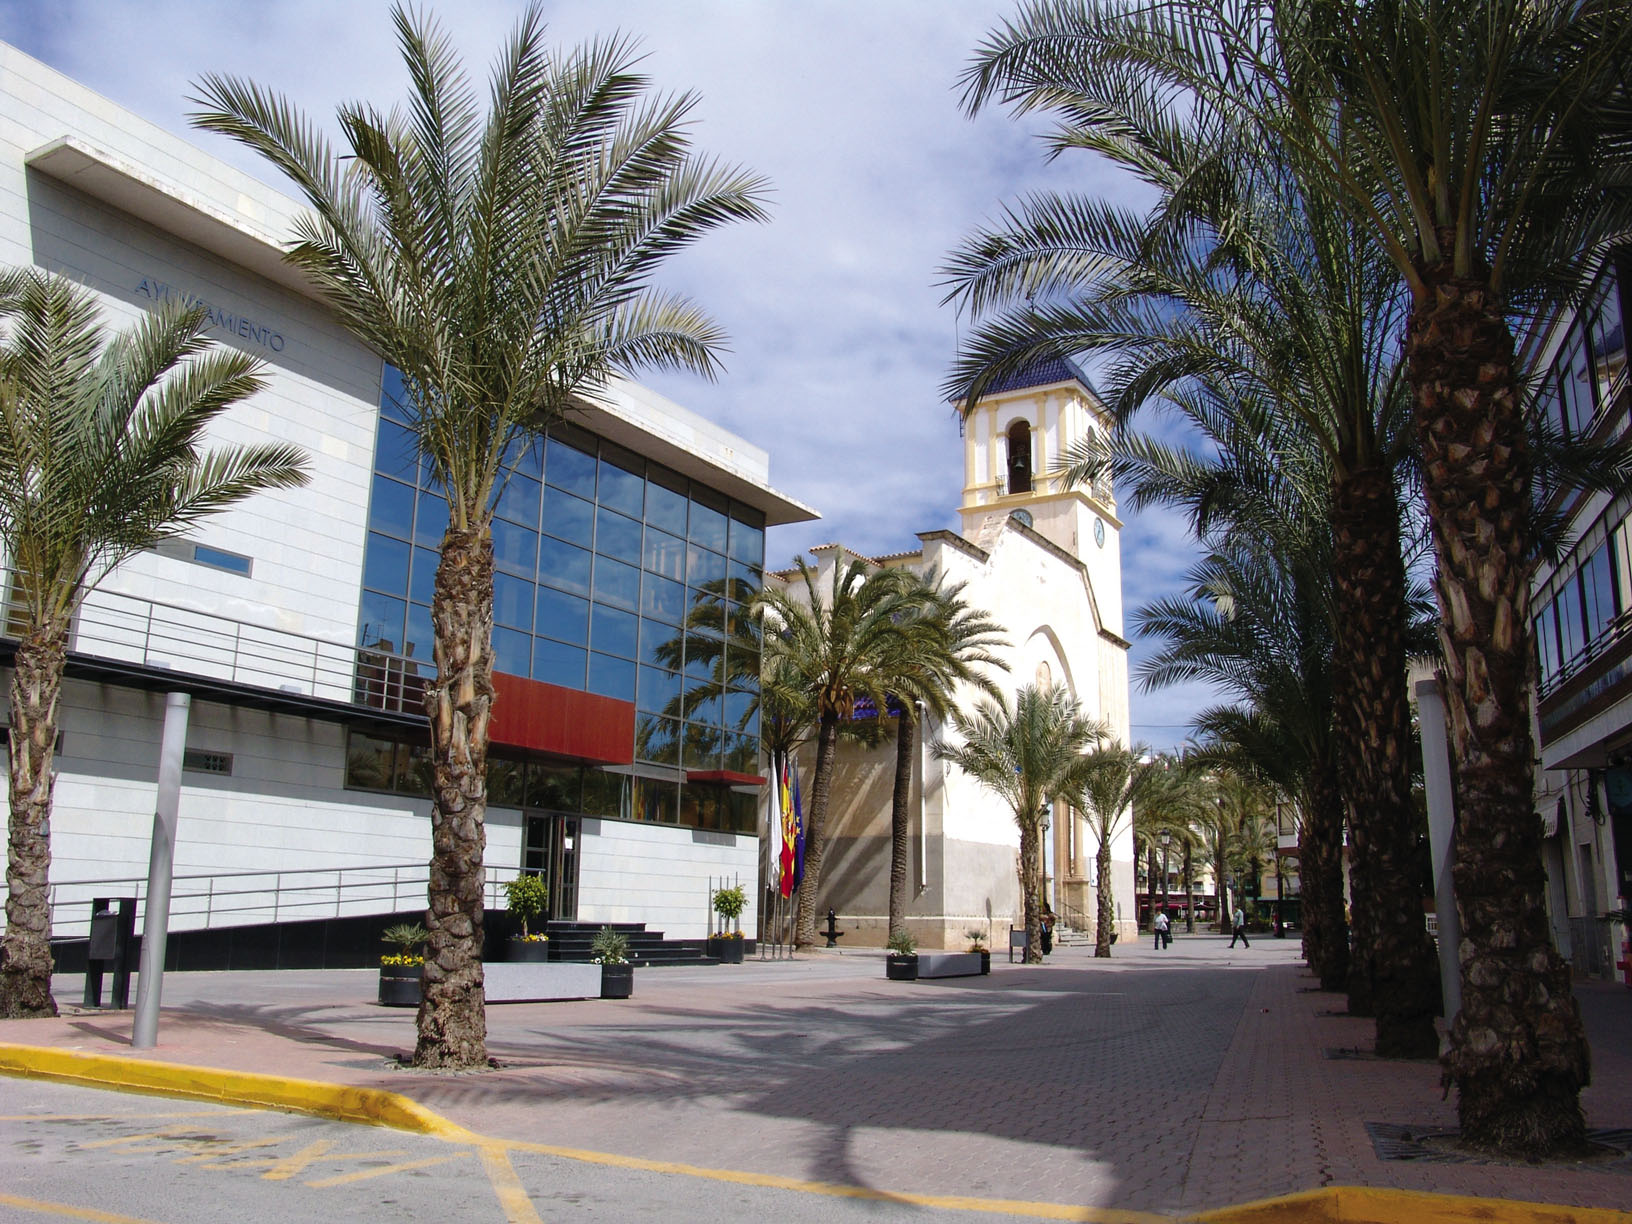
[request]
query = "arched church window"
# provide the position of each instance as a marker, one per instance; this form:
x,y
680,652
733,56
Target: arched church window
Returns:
x,y
1019,457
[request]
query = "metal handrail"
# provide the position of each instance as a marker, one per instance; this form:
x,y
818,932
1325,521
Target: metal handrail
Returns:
x,y
200,901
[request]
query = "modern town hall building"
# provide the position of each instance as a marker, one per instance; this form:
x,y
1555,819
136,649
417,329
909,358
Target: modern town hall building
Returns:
x,y
626,750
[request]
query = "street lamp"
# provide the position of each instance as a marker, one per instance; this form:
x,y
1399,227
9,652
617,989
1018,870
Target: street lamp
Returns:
x,y
1166,836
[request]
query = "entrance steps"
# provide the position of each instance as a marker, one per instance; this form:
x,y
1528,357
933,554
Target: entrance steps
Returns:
x,y
571,941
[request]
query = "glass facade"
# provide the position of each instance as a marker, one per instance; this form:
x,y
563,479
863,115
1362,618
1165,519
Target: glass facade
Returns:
x,y
612,575
1590,368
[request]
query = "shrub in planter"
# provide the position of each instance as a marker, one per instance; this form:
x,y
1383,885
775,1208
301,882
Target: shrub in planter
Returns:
x,y
901,958
977,943
725,945
400,971
726,948
526,897
610,950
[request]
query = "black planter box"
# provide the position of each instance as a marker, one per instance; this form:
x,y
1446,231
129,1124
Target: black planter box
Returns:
x,y
901,968
527,951
399,985
726,949
617,981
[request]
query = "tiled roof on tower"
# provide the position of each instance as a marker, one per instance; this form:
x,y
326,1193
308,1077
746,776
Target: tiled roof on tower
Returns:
x,y
1041,374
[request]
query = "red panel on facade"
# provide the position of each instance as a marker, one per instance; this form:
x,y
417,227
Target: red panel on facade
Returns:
x,y
567,722
726,776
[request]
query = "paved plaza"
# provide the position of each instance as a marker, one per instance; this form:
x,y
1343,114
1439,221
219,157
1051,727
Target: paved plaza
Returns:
x,y
1164,1083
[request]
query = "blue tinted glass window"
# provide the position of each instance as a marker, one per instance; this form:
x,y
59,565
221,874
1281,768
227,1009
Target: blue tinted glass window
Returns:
x,y
665,554
657,739
702,747
742,712
417,642
220,558
432,522
1569,620
393,396
422,582
519,501
747,542
621,489
614,632
659,644
1608,337
391,507
1547,643
564,566
512,652
704,567
429,478
744,581
665,506
385,563
659,690
703,657
742,756
616,536
525,455
381,622
396,451
568,517
663,600
742,666
512,602
515,548
554,663
616,583
1575,385
567,467
611,677
1598,589
703,704
708,526
562,616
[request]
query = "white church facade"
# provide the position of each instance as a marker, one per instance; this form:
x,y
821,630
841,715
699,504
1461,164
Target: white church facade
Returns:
x,y
1042,560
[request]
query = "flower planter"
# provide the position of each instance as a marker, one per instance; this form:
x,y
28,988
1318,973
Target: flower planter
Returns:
x,y
617,981
901,968
985,962
399,985
726,949
527,951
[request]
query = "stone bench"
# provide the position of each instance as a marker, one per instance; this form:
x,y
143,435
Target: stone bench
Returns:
x,y
948,964
521,982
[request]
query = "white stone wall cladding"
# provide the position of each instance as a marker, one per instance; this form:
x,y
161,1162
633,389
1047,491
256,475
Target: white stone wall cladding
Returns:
x,y
660,875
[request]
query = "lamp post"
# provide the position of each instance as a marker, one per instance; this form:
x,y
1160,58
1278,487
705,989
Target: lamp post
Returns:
x,y
1166,836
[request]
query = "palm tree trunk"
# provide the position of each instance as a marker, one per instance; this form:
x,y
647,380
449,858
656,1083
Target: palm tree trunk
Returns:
x,y
1031,879
1320,878
827,739
458,706
1518,1054
1220,889
1189,889
1372,719
1104,901
25,952
906,740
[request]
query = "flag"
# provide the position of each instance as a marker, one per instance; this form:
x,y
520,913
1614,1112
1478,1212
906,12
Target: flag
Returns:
x,y
787,856
798,834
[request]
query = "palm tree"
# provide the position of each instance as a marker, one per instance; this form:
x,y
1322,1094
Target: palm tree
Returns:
x,y
945,645
837,649
503,264
99,459
1177,800
1029,755
1110,784
1248,809
1250,274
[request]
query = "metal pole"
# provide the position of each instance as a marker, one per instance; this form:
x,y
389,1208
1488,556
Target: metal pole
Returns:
x,y
1436,769
160,868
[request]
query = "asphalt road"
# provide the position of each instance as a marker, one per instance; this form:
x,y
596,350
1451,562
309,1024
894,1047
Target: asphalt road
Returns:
x,y
75,1153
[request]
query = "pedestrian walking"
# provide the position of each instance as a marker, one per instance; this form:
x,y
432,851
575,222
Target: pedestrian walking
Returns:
x,y
1046,925
1238,924
1162,928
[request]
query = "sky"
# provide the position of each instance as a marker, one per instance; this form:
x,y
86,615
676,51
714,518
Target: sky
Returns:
x,y
839,338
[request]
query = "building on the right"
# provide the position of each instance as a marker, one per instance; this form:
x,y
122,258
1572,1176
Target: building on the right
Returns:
x,y
1582,605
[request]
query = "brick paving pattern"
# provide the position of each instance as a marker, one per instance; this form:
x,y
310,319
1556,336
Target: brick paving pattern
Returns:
x,y
1163,1082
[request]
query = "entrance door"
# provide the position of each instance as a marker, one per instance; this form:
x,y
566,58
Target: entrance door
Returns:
x,y
550,847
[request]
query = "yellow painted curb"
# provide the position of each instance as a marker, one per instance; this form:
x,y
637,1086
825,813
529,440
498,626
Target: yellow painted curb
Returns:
x,y
1365,1205
339,1101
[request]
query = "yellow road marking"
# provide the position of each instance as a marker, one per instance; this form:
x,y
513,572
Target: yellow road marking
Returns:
x,y
230,1149
507,1187
345,1179
168,1132
70,1212
282,1168
945,1202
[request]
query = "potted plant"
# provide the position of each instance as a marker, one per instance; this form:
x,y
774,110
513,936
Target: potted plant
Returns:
x,y
400,970
726,944
526,897
610,950
977,943
901,961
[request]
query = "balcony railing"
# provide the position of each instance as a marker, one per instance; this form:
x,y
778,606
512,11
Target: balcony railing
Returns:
x,y
123,628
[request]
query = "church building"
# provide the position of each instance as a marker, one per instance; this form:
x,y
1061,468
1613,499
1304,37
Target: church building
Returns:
x,y
1042,560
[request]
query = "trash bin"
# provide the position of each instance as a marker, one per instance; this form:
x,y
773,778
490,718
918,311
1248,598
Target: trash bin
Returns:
x,y
110,949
